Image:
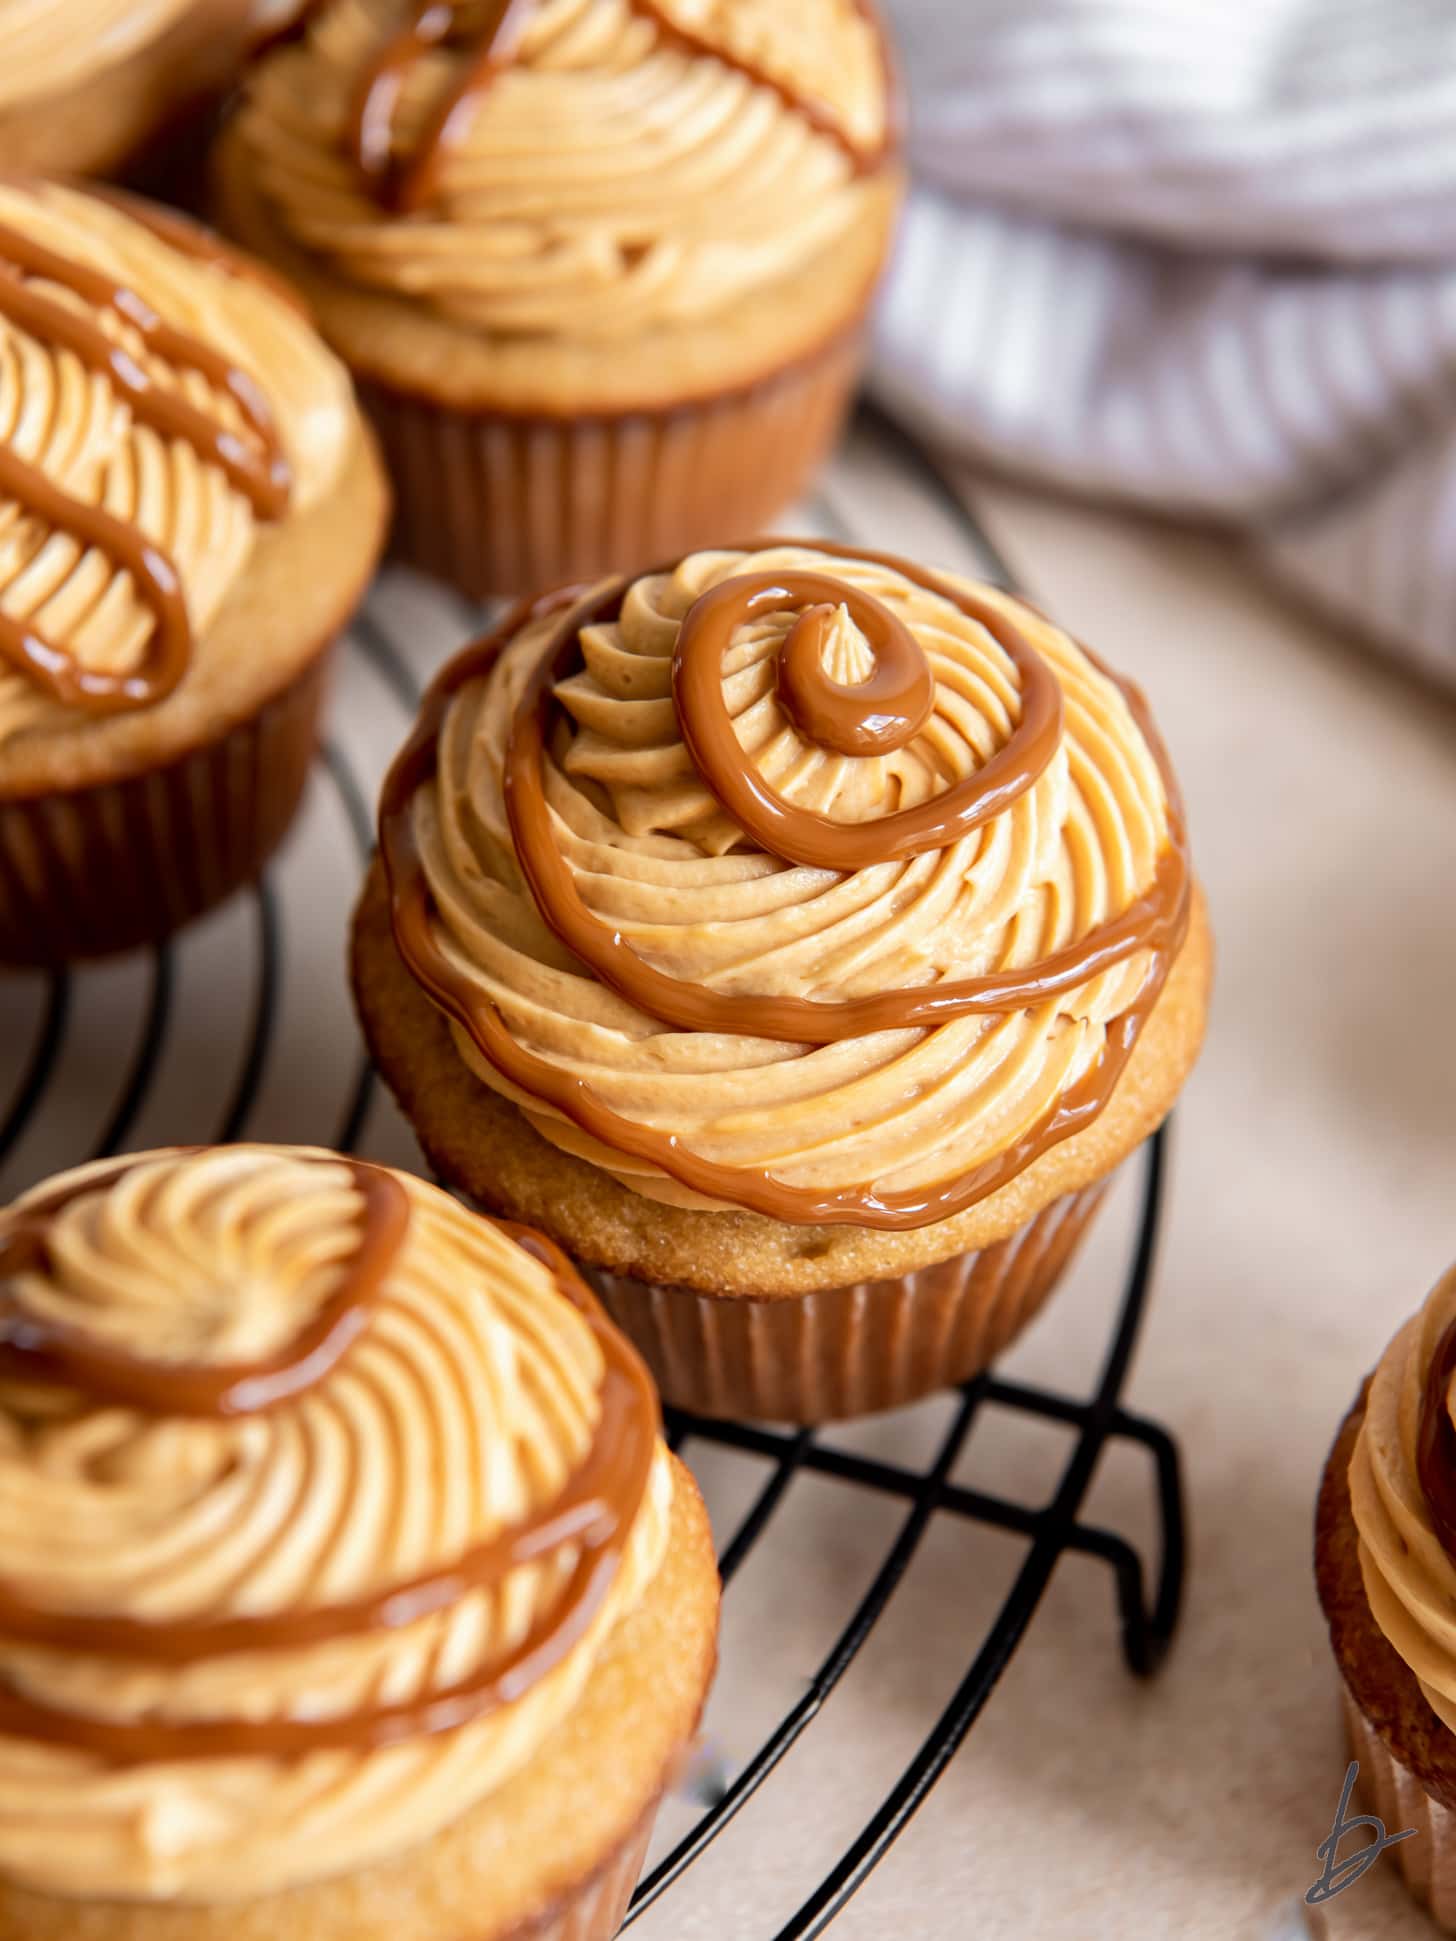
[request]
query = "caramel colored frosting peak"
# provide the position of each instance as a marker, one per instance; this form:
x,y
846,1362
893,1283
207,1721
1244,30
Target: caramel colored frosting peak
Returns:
x,y
1403,1497
317,1497
158,405
800,880
572,168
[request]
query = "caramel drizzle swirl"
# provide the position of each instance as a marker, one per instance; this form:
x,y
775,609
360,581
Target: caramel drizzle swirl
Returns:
x,y
256,466
1436,1442
408,185
152,573
1155,922
191,238
594,1512
871,717
834,711
37,1350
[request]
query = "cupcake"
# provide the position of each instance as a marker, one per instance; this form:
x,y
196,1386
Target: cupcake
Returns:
x,y
191,510
802,939
601,267
90,86
1385,1559
347,1590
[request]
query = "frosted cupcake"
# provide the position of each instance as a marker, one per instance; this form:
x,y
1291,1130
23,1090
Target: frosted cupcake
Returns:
x,y
1385,1556
347,1590
803,939
600,266
190,509
89,86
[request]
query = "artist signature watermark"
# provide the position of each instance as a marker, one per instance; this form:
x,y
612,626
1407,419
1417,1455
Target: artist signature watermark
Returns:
x,y
1339,1874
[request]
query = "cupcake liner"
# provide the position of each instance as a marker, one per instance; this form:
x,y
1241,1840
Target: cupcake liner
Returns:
x,y
94,871
498,503
848,1351
597,1910
1387,1789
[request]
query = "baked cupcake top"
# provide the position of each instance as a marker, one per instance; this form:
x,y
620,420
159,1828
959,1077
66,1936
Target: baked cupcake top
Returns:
x,y
318,1496
1403,1497
801,881
160,405
572,169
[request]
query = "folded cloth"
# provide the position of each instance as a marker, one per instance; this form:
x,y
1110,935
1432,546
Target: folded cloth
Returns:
x,y
1200,255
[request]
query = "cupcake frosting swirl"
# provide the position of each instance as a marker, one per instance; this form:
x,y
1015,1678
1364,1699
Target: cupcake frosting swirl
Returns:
x,y
50,46
158,405
47,46
1403,1493
301,1554
797,881
603,168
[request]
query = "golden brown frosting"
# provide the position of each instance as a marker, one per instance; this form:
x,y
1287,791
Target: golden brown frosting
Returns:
x,y
157,405
679,917
49,47
1402,1478
574,168
317,1497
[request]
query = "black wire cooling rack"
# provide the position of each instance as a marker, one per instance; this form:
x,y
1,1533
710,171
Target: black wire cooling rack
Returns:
x,y
241,1030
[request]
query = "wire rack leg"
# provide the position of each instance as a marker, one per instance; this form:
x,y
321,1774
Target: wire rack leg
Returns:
x,y
1057,1532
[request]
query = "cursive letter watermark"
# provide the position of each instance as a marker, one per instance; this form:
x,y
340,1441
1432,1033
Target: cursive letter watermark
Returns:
x,y
1340,1874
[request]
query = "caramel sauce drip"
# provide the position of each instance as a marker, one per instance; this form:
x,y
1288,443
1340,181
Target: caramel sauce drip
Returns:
x,y
1155,922
153,575
191,238
407,186
255,465
593,1513
1436,1442
870,717
35,1350
830,712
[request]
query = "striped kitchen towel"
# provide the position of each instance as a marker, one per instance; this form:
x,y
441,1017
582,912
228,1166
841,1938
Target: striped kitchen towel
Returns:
x,y
1201,255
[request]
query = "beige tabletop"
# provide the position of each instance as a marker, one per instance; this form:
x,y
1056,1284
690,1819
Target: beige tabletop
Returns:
x,y
1311,1206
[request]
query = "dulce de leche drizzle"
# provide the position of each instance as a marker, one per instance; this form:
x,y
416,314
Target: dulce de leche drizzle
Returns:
x,y
828,713
254,464
1436,1442
409,185
1155,922
203,245
871,717
37,1350
593,1514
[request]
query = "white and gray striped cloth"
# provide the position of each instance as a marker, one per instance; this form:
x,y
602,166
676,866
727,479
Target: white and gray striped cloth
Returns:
x,y
1201,255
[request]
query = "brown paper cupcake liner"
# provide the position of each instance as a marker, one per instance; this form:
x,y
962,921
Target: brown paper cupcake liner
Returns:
x,y
597,1910
99,870
1427,1863
496,503
848,1351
